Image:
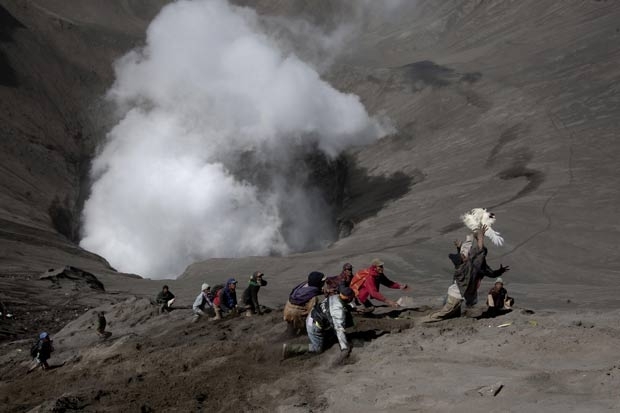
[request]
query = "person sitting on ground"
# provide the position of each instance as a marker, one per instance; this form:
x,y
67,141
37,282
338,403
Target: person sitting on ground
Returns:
x,y
301,300
366,284
42,352
498,301
332,284
327,320
250,295
225,301
203,304
467,276
165,298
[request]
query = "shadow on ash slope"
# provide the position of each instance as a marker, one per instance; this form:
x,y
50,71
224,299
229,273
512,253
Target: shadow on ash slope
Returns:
x,y
163,362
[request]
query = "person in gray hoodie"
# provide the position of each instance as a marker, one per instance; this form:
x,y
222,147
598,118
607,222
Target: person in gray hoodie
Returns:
x,y
203,304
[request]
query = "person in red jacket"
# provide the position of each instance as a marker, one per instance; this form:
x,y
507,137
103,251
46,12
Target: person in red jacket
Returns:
x,y
366,284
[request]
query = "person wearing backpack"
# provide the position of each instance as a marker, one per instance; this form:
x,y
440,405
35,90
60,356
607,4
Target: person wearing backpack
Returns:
x,y
327,320
41,352
366,284
203,304
250,295
301,300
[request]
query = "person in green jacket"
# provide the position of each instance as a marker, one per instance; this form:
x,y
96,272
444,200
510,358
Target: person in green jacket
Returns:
x,y
250,295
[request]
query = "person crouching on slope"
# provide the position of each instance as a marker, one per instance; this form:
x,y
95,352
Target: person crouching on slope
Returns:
x,y
301,300
327,319
226,299
250,295
366,284
203,305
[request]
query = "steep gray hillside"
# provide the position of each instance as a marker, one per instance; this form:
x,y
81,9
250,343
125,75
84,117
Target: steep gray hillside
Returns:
x,y
511,106
507,105
55,64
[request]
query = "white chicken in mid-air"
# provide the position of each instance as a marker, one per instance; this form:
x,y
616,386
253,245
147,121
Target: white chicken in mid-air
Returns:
x,y
477,217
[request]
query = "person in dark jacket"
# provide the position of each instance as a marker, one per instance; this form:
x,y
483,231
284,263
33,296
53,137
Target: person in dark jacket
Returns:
x,y
250,295
165,298
301,300
332,284
226,299
498,301
43,352
471,268
470,273
101,325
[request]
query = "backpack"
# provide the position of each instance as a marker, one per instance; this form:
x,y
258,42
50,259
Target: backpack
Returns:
x,y
34,350
358,280
215,291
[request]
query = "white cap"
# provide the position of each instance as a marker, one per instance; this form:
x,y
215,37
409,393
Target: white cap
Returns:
x,y
499,280
204,286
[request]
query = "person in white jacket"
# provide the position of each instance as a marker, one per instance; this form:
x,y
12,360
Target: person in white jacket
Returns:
x,y
328,318
203,304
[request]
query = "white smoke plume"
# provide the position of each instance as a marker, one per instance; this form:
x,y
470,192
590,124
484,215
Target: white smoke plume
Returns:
x,y
209,102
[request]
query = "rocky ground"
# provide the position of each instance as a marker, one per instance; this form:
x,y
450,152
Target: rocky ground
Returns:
x,y
527,360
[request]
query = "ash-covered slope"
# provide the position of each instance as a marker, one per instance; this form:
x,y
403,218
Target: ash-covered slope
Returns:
x,y
55,64
510,106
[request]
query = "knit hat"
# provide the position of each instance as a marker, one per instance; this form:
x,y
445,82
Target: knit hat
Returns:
x,y
346,292
231,281
205,286
499,280
316,279
43,335
376,263
466,245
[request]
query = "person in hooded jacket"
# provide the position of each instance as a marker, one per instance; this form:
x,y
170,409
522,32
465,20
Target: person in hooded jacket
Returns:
x,y
332,284
301,300
226,299
250,294
203,304
43,352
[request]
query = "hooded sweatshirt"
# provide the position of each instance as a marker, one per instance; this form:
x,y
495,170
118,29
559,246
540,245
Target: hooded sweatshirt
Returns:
x,y
228,297
306,291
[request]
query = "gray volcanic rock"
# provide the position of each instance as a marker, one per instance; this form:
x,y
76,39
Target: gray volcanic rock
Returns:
x,y
75,276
